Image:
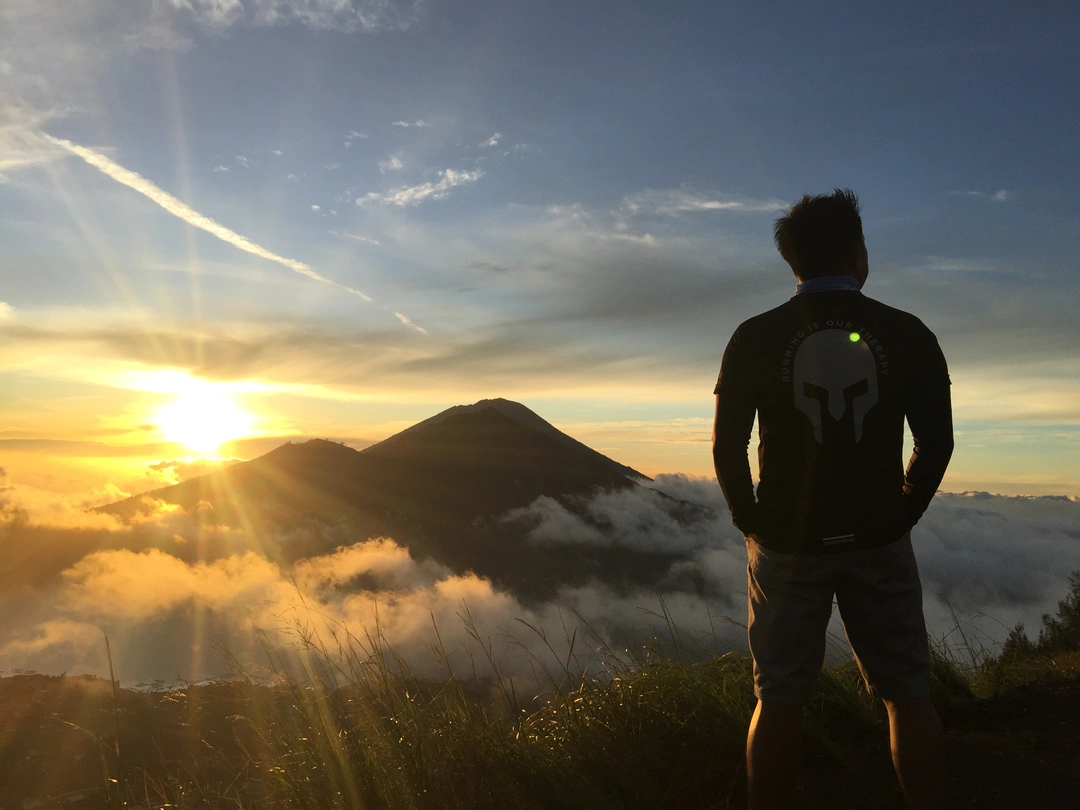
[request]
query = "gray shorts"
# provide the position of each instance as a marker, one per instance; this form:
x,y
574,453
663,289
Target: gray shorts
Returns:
x,y
880,599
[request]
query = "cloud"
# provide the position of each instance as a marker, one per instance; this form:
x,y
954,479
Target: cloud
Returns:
x,y
184,212
243,161
342,15
674,202
356,238
391,164
6,311
418,123
381,563
642,520
145,584
220,169
20,146
64,510
999,196
492,141
953,265
276,152
126,584
78,637
414,195
315,208
973,568
405,321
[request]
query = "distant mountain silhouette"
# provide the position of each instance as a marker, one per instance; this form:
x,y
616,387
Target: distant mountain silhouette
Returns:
x,y
519,413
440,487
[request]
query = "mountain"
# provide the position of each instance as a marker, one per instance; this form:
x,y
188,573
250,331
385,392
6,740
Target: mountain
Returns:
x,y
440,487
519,413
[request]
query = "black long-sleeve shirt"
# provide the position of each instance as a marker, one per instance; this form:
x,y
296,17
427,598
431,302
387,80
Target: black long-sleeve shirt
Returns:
x,y
831,377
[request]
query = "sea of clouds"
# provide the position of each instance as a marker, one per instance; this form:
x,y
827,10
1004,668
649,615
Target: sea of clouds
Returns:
x,y
171,614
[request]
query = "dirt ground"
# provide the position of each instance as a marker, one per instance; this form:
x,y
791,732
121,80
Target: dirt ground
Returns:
x,y
1014,752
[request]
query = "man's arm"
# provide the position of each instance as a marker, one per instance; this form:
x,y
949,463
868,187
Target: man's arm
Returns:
x,y
735,408
731,438
930,419
929,415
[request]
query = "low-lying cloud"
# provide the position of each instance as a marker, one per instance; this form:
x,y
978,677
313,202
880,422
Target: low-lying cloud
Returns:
x,y
170,589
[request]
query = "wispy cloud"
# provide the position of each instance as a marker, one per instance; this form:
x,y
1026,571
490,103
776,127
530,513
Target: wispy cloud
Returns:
x,y
356,238
492,141
999,196
181,210
316,208
674,202
949,265
409,323
275,151
391,164
414,195
353,16
418,123
20,147
243,161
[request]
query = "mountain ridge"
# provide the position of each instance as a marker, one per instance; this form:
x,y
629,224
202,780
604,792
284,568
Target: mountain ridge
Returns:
x,y
441,488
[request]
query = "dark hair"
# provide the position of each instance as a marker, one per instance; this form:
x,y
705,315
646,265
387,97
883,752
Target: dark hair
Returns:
x,y
818,236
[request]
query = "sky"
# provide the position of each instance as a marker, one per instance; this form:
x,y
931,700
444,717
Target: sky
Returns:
x,y
229,223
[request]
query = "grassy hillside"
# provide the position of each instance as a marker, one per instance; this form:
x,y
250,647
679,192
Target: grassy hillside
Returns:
x,y
652,731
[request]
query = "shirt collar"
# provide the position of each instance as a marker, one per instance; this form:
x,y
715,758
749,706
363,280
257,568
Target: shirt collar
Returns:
x,y
827,284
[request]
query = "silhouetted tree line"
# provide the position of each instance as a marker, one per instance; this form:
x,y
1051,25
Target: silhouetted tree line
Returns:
x,y
1059,633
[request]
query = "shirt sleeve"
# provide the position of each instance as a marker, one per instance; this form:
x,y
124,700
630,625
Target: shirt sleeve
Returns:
x,y
928,407
736,404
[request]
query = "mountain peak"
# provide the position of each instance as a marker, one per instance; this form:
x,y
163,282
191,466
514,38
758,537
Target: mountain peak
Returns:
x,y
518,413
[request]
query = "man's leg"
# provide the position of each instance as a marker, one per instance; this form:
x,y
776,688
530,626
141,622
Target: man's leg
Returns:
x,y
918,752
790,599
880,599
773,753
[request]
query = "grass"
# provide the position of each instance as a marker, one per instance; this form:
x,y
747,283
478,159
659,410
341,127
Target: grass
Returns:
x,y
357,731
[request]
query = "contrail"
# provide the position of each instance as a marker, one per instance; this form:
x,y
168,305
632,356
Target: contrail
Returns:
x,y
192,217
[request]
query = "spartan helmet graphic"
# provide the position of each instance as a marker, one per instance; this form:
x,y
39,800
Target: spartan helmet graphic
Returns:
x,y
834,373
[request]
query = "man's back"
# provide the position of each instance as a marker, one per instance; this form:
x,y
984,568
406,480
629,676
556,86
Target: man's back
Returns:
x,y
831,376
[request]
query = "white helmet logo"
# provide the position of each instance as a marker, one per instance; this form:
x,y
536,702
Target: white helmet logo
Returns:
x,y
835,373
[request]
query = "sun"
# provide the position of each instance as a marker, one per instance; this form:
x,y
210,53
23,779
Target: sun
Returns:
x,y
203,419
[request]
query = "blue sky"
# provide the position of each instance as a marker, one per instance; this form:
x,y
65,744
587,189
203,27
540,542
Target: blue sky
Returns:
x,y
565,204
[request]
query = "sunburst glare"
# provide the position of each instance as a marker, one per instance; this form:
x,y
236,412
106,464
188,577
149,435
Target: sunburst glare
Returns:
x,y
203,419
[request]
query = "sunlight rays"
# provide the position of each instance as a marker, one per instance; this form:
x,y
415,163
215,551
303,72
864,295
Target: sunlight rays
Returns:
x,y
182,211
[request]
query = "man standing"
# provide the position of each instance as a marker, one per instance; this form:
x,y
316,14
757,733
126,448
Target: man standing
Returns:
x,y
831,376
